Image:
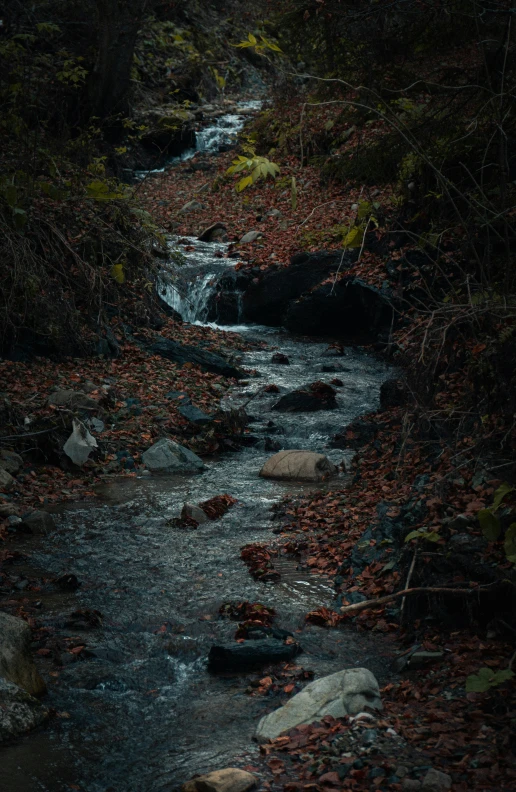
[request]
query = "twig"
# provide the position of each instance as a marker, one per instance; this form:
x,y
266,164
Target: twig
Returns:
x,y
378,603
409,576
29,434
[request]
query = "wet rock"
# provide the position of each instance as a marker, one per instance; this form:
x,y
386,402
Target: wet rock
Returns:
x,y
16,663
266,302
19,712
356,435
250,654
435,781
280,359
167,456
207,361
317,396
194,415
10,461
296,465
251,236
68,582
231,779
214,233
349,308
393,393
72,400
6,480
38,522
344,693
191,511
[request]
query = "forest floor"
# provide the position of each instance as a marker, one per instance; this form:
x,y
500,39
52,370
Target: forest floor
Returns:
x,y
467,735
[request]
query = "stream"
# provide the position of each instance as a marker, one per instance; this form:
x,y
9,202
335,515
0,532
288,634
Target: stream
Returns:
x,y
140,712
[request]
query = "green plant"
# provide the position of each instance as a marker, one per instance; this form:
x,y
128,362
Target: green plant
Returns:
x,y
259,167
491,526
486,679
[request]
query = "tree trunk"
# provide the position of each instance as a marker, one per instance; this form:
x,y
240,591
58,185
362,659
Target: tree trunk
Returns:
x,y
118,25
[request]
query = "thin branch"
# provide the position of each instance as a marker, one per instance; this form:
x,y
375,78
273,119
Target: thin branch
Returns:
x,y
381,601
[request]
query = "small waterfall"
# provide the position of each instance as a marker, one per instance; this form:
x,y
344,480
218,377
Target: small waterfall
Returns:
x,y
192,305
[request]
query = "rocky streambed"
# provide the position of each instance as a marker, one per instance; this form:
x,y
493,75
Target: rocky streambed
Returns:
x,y
130,596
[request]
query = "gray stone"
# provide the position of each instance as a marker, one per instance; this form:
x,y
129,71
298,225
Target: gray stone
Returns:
x,y
7,510
410,785
38,522
214,233
344,693
295,465
6,480
16,663
251,236
194,415
191,206
424,659
73,400
19,712
10,461
193,512
167,456
231,779
435,781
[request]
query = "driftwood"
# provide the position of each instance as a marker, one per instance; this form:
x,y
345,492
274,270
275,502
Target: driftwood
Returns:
x,y
378,603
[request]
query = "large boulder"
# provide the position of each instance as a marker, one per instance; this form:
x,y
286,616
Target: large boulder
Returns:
x,y
295,465
167,456
231,779
16,663
267,300
344,693
250,654
317,396
208,361
19,712
349,308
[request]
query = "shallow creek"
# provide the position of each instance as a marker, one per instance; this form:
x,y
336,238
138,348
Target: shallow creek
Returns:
x,y
141,713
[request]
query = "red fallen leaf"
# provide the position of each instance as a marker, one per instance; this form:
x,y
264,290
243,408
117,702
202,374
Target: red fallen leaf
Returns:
x,y
266,681
289,688
330,779
276,766
43,652
77,649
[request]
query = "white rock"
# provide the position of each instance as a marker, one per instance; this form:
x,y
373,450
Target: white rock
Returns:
x,y
16,663
80,444
294,465
231,779
194,513
435,781
19,712
344,693
251,236
166,456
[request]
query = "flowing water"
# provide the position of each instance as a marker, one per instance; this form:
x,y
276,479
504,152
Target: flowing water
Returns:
x,y
139,712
